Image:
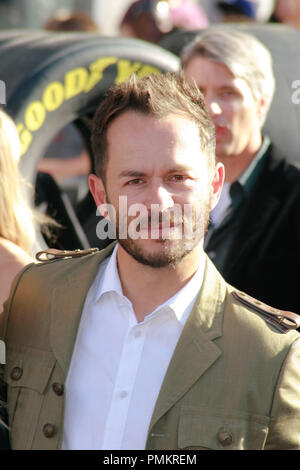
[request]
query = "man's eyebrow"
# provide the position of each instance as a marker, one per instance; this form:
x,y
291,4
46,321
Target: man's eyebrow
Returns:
x,y
139,174
228,87
131,173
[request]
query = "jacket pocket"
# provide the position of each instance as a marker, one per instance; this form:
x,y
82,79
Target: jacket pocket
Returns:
x,y
27,374
210,429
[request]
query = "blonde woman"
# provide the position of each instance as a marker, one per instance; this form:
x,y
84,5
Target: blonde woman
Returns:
x,y
17,231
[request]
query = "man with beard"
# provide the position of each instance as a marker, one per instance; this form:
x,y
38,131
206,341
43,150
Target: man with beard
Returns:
x,y
254,235
143,345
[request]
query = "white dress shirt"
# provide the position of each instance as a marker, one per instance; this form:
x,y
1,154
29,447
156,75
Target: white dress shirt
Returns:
x,y
118,365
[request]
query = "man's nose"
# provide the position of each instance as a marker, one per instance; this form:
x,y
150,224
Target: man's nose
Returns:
x,y
213,106
160,195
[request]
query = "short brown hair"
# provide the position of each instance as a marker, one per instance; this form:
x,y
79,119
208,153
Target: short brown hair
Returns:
x,y
157,95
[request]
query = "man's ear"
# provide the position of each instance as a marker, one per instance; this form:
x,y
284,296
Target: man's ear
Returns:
x,y
97,189
261,110
217,184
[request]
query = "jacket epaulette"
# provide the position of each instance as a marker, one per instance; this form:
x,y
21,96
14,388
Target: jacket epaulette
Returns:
x,y
283,320
52,254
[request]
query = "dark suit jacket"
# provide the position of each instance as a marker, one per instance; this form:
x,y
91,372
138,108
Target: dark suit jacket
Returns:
x,y
264,257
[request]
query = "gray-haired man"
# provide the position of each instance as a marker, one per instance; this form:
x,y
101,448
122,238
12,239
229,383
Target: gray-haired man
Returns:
x,y
254,237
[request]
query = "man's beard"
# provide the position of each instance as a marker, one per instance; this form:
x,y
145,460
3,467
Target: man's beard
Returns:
x,y
170,256
174,251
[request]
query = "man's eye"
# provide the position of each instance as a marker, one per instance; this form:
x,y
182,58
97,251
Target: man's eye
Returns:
x,y
178,178
135,181
228,92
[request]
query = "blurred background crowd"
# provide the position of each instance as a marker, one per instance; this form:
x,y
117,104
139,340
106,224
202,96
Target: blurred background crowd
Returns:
x,y
129,18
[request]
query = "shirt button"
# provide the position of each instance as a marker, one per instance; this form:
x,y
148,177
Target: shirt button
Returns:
x,y
16,373
225,438
49,430
123,394
137,334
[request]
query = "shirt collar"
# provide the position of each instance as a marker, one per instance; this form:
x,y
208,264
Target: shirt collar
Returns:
x,y
110,281
181,303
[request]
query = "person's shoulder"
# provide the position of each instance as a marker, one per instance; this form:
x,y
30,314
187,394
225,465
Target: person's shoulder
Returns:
x,y
281,320
55,265
68,271
279,163
13,255
12,260
268,327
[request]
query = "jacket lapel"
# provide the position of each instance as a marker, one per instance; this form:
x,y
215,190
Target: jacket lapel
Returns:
x,y
67,304
195,351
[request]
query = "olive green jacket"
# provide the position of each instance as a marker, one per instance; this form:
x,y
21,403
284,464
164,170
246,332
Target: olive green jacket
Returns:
x,y
233,381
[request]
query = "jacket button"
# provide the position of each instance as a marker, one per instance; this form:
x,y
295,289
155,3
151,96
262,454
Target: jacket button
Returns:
x,y
16,373
49,430
225,438
58,388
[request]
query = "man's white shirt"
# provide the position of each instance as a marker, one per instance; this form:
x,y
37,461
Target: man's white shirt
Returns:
x,y
118,365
